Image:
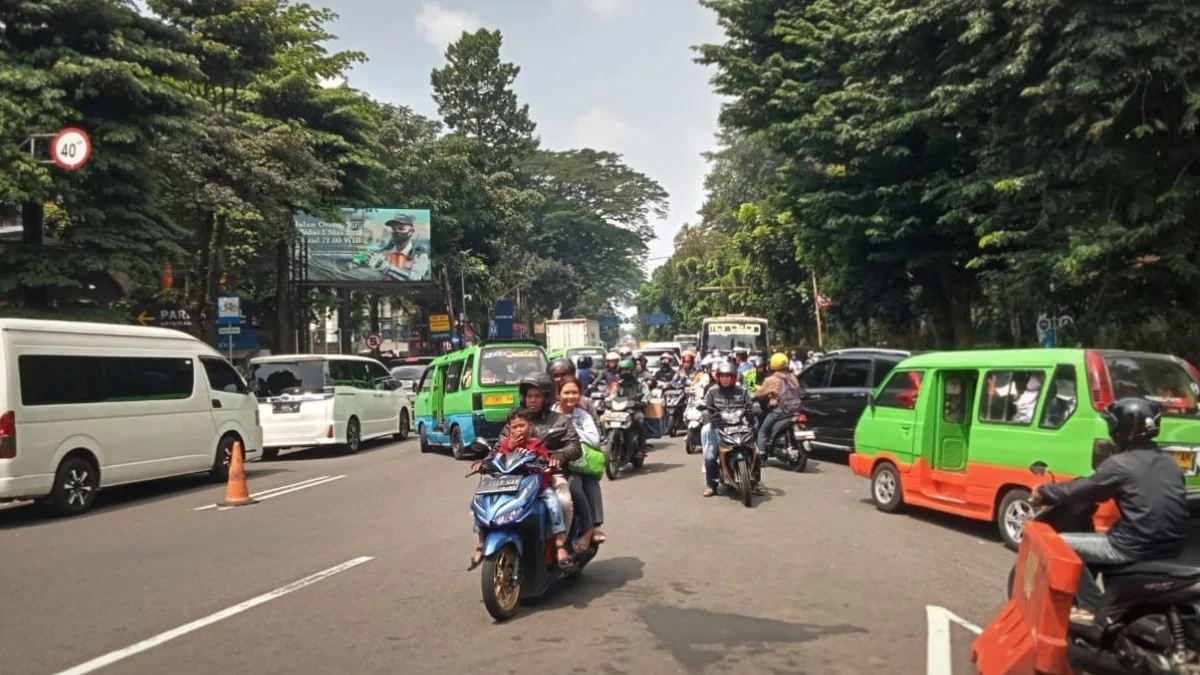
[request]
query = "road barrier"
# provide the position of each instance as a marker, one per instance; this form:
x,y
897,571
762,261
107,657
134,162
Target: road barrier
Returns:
x,y
237,492
1029,634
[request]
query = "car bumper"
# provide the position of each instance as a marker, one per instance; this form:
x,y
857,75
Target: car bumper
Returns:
x,y
26,487
861,464
297,434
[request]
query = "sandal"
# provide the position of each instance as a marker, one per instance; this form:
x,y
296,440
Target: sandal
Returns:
x,y
565,564
708,492
584,543
476,562
599,537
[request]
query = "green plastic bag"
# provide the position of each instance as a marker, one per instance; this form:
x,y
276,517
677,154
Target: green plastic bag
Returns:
x,y
591,463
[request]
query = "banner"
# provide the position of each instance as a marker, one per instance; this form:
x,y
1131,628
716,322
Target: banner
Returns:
x,y
368,245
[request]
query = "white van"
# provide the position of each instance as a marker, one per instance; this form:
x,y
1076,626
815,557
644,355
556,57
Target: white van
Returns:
x,y
85,406
327,399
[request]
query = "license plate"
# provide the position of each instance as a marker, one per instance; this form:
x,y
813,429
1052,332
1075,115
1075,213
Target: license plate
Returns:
x,y
285,407
1186,461
741,429
498,399
490,485
803,435
617,416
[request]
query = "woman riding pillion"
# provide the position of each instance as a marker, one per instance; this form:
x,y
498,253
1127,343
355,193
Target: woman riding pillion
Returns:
x,y
560,369
726,396
570,398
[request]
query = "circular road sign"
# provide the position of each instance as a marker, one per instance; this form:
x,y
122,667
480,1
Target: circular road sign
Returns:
x,y
71,148
373,341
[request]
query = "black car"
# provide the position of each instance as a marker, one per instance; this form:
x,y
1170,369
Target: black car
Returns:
x,y
836,388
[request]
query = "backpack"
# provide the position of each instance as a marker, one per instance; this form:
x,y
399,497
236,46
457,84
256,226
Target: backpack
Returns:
x,y
789,396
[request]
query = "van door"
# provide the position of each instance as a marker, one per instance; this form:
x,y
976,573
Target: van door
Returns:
x,y
956,392
437,399
233,409
891,426
451,399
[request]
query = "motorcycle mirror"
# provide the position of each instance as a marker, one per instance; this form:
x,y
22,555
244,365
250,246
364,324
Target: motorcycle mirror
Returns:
x,y
701,407
1038,468
480,444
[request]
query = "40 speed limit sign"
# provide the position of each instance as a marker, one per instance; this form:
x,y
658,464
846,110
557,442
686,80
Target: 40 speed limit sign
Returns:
x,y
71,148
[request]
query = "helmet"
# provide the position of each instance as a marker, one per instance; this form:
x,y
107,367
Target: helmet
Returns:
x,y
625,351
585,362
689,354
540,380
1132,420
779,361
559,365
725,368
665,358
626,364
612,356
756,360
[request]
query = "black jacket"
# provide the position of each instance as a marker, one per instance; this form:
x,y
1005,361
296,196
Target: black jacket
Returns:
x,y
602,380
544,421
718,399
1149,489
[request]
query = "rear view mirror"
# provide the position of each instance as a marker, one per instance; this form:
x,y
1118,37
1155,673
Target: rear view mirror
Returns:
x,y
1038,468
480,445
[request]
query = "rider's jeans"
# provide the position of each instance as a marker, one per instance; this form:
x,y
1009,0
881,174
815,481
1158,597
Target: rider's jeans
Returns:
x,y
1096,549
764,429
708,441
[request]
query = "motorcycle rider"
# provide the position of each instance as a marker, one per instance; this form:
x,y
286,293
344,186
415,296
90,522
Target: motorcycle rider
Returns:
x,y
688,368
664,373
726,395
743,362
780,395
608,376
584,374
630,387
559,370
1148,487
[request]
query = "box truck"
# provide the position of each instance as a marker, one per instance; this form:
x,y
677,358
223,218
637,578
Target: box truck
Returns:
x,y
567,333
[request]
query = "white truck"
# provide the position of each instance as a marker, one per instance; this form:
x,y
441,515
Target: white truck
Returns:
x,y
568,333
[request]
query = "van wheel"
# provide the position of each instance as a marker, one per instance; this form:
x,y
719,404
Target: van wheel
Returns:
x,y
75,486
425,447
270,454
456,443
220,467
353,436
885,488
405,425
1011,515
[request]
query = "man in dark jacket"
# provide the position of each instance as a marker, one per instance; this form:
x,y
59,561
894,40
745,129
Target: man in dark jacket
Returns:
x,y
608,376
631,387
727,395
1149,489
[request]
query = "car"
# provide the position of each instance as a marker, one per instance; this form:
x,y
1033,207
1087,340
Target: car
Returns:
x,y
327,399
836,388
408,371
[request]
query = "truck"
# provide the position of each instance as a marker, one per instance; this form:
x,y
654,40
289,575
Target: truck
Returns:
x,y
567,333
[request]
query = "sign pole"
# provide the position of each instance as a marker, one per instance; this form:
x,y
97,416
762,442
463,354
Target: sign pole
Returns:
x,y
817,306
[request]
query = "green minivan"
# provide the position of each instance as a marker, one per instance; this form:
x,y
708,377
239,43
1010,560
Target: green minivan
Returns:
x,y
958,431
467,394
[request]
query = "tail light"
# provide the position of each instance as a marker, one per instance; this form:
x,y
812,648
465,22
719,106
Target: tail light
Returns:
x,y
329,432
801,419
1099,386
8,435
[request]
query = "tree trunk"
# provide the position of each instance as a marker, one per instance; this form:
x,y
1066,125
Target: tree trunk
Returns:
x,y
950,306
284,338
33,238
198,291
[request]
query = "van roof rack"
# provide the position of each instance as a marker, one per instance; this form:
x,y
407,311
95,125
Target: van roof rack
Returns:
x,y
511,341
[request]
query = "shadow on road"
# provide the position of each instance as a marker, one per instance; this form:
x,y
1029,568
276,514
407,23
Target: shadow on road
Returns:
x,y
659,467
698,638
127,496
598,579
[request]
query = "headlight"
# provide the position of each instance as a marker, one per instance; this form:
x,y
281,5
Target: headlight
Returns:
x,y
518,504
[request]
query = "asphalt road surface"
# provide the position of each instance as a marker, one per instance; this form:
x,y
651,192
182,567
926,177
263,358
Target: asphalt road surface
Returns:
x,y
356,564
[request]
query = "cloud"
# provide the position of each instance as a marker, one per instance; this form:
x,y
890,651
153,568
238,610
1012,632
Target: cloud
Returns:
x,y
441,26
332,82
607,7
601,130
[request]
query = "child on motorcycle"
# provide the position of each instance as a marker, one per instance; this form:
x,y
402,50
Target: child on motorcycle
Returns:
x,y
520,439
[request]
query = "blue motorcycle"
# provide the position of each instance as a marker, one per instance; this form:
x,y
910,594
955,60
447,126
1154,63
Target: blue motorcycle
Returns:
x,y
518,560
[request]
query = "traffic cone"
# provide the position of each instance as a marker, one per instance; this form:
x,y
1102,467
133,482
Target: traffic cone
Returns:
x,y
237,492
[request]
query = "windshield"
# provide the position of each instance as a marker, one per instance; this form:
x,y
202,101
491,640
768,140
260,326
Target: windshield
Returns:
x,y
288,377
732,334
408,372
506,366
1155,378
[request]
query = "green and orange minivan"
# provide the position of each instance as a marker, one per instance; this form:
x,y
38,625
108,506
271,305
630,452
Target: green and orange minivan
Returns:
x,y
958,431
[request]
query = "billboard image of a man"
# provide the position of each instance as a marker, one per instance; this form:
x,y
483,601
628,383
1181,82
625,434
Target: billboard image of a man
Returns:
x,y
368,245
400,257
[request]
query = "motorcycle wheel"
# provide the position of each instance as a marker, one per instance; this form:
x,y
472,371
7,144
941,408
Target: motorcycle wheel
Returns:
x,y
743,469
671,430
615,455
500,596
637,462
800,463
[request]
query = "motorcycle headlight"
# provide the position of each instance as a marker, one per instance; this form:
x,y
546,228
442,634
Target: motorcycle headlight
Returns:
x,y
518,504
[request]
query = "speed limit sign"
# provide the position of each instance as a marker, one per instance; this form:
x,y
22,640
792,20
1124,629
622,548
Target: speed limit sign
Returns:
x,y
71,148
373,341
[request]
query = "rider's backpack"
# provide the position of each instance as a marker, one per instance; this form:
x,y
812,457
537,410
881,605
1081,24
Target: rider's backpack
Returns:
x,y
789,396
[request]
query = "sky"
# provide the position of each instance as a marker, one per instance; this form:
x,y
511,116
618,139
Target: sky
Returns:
x,y
611,75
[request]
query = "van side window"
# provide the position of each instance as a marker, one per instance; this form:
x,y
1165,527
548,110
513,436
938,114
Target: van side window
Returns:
x,y
468,373
222,376
1062,397
1010,396
341,373
814,376
378,373
63,380
452,376
850,373
882,369
426,380
901,390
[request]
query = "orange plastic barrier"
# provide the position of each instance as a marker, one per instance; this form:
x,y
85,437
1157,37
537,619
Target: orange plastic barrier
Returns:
x,y
1029,635
1106,515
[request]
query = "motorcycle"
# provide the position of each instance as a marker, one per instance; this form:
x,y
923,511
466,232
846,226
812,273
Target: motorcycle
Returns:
x,y
791,443
694,419
736,453
1148,621
620,438
519,559
674,403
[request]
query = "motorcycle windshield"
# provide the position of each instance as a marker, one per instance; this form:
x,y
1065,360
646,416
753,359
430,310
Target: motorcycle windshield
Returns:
x,y
510,461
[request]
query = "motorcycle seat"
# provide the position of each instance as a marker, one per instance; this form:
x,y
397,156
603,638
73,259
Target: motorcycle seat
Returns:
x,y
1156,568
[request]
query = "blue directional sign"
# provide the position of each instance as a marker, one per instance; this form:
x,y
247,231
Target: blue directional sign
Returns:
x,y
609,321
658,319
387,333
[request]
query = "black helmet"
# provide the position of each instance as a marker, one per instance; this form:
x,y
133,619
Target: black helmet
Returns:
x,y
725,368
1133,420
561,364
540,380
585,362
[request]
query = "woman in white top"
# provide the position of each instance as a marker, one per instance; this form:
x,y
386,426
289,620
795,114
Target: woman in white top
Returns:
x,y
568,404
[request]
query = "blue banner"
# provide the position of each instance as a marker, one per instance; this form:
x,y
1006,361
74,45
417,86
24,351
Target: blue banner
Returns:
x,y
503,320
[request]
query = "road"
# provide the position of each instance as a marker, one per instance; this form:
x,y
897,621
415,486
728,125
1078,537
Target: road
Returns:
x,y
812,579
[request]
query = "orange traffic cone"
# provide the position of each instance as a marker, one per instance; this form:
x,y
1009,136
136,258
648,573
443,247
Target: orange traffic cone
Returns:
x,y
237,492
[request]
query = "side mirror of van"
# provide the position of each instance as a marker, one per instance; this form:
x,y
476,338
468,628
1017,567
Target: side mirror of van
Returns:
x,y
1038,468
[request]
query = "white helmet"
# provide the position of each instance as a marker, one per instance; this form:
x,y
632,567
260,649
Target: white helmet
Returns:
x,y
612,356
626,351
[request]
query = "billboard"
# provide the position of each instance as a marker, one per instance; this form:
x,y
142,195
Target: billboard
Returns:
x,y
368,245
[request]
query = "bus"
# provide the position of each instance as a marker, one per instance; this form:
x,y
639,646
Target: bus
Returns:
x,y
687,340
735,331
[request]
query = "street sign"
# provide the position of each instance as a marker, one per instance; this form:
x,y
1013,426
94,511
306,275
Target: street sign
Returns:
x,y
229,310
71,148
387,333
163,315
229,330
373,341
404,333
658,319
439,326
609,321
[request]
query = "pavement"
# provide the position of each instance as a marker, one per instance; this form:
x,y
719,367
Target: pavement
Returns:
x,y
356,564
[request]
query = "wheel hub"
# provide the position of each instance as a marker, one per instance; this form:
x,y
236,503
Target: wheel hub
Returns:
x,y
77,488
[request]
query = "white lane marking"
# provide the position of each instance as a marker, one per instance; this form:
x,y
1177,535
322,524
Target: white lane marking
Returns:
x,y
294,489
938,650
266,494
121,654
